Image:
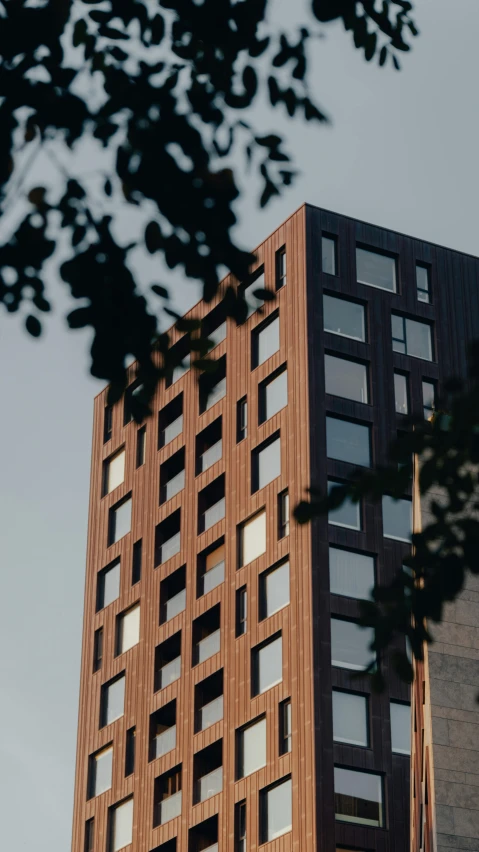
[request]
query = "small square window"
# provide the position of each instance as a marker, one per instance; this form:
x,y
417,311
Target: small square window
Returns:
x,y
281,268
329,255
423,283
112,700
347,441
266,463
265,340
401,395
411,337
428,398
350,645
358,797
397,519
401,727
121,825
114,471
119,521
108,585
350,718
346,378
272,395
251,746
276,811
351,574
128,629
344,318
274,589
100,772
267,664
376,270
252,538
348,515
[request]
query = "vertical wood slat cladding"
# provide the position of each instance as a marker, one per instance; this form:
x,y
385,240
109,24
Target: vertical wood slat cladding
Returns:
x,y
235,654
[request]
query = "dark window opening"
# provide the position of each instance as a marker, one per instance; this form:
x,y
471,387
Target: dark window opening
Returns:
x,y
255,282
240,827
211,504
168,538
214,325
89,844
130,752
107,423
241,611
423,283
168,661
241,419
162,736
211,568
283,514
209,446
209,701
286,729
208,772
204,836
136,562
108,585
170,421
212,386
98,649
281,268
206,635
141,446
173,595
180,360
329,252
167,796
172,476
130,404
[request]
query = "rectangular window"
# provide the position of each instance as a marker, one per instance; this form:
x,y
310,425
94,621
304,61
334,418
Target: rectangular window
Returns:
x,y
276,811
329,255
119,521
401,727
283,514
350,645
108,585
130,752
265,341
266,463
100,772
411,337
207,635
350,718
351,574
212,386
136,562
214,326
209,701
272,395
208,772
168,796
401,395
163,730
375,269
107,423
274,589
422,283
170,421
209,446
241,611
211,504
256,282
346,378
397,519
344,318
128,629
286,727
241,419
281,268
172,476
89,844
358,797
168,538
131,402
141,446
121,825
173,595
114,471
168,661
97,649
428,398
240,827
112,701
251,748
267,664
348,442
211,569
348,515
203,837
252,538
180,354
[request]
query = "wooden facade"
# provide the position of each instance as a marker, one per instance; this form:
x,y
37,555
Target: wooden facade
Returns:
x,y
308,677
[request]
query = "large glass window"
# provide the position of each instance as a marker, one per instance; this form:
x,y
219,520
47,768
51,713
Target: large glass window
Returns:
x,y
344,318
347,441
348,515
119,521
265,341
346,378
358,797
350,645
108,585
112,701
252,748
422,283
401,727
266,463
351,574
400,393
397,518
273,396
100,771
267,665
114,472
376,270
329,255
128,629
350,718
411,337
274,589
122,825
253,538
276,811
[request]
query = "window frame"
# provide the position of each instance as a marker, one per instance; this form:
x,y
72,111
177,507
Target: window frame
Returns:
x,y
263,394
333,238
427,268
366,699
334,417
338,297
402,375
263,810
281,278
404,340
330,484
255,339
378,252
366,824
352,552
240,747
262,583
241,536
256,465
255,664
337,356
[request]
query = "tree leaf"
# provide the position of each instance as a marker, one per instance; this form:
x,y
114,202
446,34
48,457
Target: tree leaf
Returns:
x,y
33,325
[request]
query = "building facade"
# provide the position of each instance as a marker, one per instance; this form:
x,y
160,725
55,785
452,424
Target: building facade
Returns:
x,y
221,706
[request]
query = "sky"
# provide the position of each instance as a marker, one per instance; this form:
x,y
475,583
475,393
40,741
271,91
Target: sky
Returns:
x,y
401,152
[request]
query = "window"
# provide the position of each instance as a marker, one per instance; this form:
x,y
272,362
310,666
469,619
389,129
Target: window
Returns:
x,y
97,649
411,337
350,718
141,446
428,398
168,796
209,701
397,519
212,386
252,538
209,446
211,568
344,318
281,268
107,423
240,827
100,772
348,442
89,844
112,700
422,283
170,421
401,727
206,635
108,586
179,353
358,797
163,730
172,476
203,837
351,574
113,472
131,404
265,340
241,419
136,562
375,269
346,378
348,515
267,664
350,645
272,395
283,514
173,595
286,728
251,745
256,282
130,751
241,611
276,811
266,463
274,589
119,521
208,772
128,629
329,255
214,326
401,393
168,661
121,825
168,538
211,504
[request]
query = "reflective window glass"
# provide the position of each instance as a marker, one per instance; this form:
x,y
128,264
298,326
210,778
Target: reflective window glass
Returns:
x,y
397,518
350,645
276,811
268,665
401,727
344,318
347,441
376,270
252,748
351,574
328,254
358,797
400,393
348,515
346,378
350,718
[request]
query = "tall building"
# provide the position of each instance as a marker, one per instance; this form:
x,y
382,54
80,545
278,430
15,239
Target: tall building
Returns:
x,y
221,706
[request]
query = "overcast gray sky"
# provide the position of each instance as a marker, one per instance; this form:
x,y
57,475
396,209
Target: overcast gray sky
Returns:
x,y
402,153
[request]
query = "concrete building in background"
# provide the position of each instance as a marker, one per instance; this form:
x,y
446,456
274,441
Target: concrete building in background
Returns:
x,y
221,707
